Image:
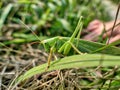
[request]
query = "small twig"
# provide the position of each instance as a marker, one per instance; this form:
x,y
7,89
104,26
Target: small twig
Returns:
x,y
10,49
1,75
112,27
14,26
114,24
114,70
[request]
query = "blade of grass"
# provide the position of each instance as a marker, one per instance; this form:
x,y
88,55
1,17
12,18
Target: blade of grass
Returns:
x,y
106,46
86,60
5,14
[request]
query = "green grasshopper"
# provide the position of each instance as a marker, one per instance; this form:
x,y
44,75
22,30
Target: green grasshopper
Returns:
x,y
66,47
62,47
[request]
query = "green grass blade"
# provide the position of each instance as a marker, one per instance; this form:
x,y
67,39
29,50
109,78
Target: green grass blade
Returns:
x,y
86,60
112,44
5,14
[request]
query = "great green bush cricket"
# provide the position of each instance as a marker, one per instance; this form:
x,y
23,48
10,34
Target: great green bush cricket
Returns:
x,y
66,46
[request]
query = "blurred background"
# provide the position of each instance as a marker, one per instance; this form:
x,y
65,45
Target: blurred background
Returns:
x,y
46,18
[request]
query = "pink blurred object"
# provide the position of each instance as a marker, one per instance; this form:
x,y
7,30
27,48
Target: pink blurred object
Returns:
x,y
96,27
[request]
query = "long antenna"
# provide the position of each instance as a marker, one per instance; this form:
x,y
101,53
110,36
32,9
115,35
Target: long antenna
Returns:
x,y
21,22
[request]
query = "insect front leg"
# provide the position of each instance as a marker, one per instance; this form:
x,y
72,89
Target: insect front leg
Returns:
x,y
50,46
50,56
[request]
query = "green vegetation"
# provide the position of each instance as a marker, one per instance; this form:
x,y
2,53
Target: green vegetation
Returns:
x,y
57,26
